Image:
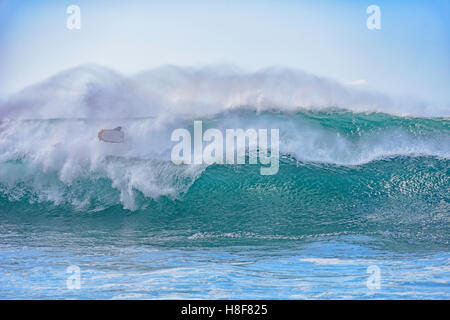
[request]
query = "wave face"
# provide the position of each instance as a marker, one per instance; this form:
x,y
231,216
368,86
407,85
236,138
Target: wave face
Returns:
x,y
340,172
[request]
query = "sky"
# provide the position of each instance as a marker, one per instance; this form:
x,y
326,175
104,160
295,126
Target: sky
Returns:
x,y
408,57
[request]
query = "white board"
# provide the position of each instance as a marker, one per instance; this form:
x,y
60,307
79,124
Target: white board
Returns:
x,y
112,135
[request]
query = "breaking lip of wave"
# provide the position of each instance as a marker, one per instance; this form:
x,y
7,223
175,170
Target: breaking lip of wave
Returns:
x,y
326,137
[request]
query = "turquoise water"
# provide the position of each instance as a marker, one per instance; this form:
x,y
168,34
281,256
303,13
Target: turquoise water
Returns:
x,y
354,191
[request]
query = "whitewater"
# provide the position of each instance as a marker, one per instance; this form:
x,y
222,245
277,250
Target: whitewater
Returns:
x,y
363,181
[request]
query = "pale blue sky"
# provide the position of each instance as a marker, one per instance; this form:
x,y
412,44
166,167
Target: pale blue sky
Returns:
x,y
409,56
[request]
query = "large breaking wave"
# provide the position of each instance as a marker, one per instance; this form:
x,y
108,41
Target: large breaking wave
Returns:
x,y
49,151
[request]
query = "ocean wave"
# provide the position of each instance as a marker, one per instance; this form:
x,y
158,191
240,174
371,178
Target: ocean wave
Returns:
x,y
49,150
59,159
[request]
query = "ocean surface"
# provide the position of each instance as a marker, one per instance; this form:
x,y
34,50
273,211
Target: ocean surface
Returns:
x,y
359,209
